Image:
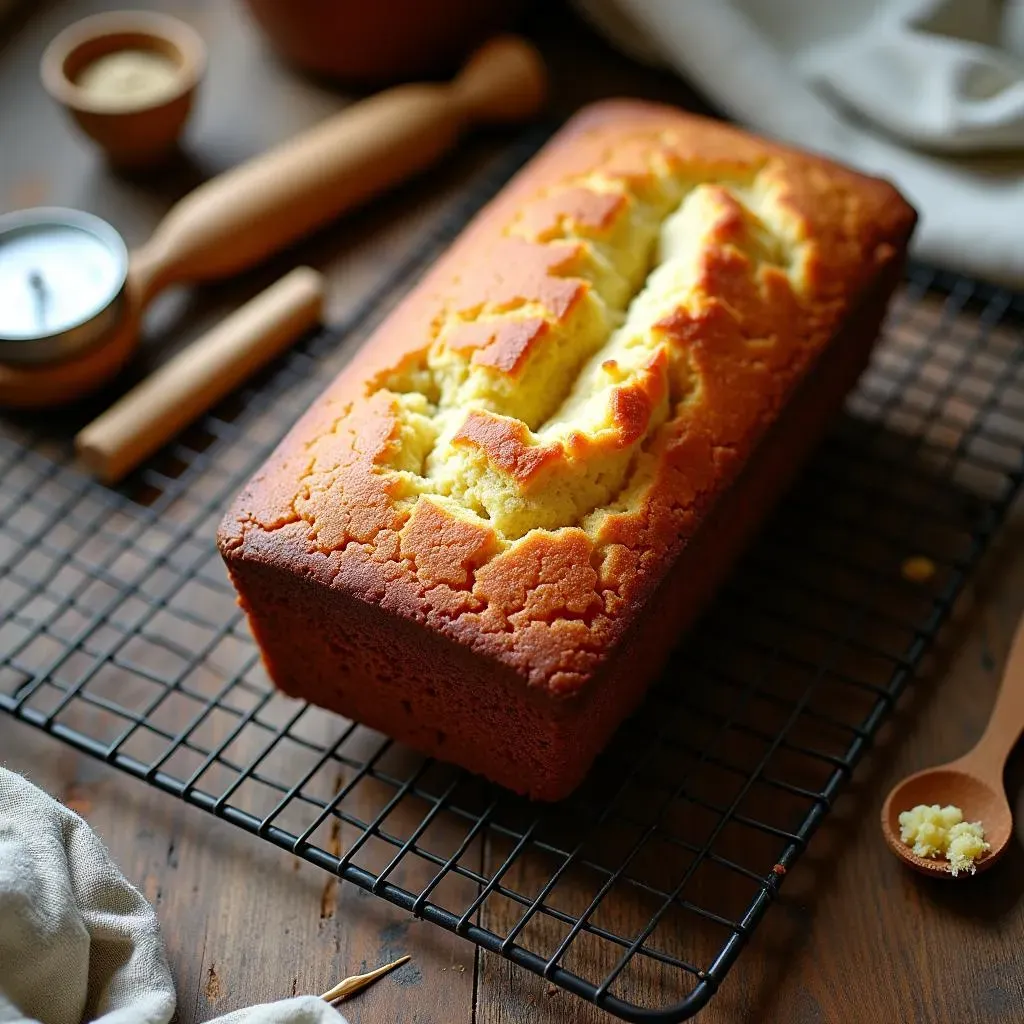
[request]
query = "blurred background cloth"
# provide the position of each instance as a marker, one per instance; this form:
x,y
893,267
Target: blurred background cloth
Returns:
x,y
926,93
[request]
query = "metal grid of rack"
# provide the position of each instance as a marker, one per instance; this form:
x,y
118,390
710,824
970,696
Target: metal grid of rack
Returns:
x,y
119,634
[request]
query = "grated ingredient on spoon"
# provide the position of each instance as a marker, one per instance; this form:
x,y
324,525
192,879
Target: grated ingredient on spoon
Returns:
x,y
934,831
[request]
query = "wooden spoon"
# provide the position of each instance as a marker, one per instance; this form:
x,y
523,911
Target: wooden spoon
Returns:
x,y
974,782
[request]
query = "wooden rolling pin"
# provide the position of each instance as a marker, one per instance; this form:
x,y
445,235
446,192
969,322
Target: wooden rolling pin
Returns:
x,y
149,415
239,218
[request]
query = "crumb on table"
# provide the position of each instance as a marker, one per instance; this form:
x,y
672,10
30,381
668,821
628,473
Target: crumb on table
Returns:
x,y
917,569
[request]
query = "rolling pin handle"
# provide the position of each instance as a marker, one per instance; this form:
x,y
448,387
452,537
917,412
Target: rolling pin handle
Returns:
x,y
503,81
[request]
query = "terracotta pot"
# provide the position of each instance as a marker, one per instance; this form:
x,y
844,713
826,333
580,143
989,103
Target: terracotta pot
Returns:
x,y
133,137
376,41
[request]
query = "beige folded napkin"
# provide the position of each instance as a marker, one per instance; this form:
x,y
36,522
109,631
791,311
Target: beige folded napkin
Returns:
x,y
78,942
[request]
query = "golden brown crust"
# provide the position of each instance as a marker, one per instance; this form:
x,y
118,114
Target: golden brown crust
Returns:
x,y
517,523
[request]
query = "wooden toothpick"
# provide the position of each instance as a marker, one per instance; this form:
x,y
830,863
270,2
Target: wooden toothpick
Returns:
x,y
350,986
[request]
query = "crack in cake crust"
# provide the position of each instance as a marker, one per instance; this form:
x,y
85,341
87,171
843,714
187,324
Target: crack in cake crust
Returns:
x,y
468,391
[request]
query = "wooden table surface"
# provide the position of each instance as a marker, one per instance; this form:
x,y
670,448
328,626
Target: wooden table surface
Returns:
x,y
854,937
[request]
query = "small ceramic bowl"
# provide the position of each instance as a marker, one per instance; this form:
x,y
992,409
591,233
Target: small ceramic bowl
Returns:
x,y
139,125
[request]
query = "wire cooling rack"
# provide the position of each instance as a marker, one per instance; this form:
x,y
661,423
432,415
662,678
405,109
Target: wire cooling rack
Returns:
x,y
120,635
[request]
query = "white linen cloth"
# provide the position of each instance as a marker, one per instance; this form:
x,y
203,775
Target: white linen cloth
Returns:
x,y
78,942
926,93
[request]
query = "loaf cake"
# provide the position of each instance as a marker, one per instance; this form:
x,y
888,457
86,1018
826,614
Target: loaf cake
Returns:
x,y
487,534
